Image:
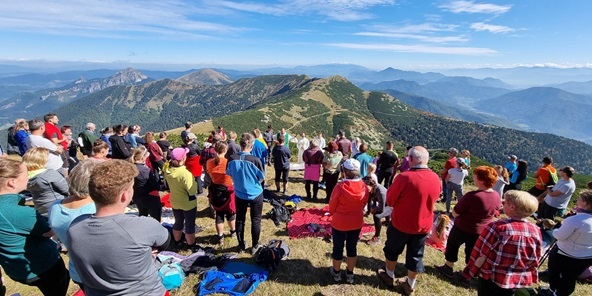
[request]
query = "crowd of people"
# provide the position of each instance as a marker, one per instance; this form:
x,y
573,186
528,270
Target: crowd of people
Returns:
x,y
80,204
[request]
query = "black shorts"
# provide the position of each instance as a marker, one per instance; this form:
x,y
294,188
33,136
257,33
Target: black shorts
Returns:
x,y
396,241
281,175
221,215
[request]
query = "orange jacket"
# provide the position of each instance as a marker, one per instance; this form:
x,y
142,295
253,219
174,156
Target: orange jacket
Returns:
x,y
543,176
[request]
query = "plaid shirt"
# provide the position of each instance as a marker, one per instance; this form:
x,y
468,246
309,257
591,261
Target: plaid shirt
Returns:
x,y
512,249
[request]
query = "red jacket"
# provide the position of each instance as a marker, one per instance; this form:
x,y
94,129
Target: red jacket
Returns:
x,y
412,197
347,205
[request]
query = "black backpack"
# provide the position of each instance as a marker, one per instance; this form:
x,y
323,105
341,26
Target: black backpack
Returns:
x,y
219,196
272,254
279,214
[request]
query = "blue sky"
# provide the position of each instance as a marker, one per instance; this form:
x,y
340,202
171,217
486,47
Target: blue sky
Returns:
x,y
373,33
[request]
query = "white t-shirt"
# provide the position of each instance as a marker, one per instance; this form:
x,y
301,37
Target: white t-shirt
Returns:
x,y
55,160
456,176
568,187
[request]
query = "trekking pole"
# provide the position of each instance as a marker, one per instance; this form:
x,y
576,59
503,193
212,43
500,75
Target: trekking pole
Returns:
x,y
547,252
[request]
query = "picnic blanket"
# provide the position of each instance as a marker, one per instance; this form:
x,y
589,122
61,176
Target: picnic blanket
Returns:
x,y
314,222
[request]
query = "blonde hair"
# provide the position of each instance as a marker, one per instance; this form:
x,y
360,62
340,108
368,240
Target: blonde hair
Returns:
x,y
371,168
525,204
9,168
138,154
36,158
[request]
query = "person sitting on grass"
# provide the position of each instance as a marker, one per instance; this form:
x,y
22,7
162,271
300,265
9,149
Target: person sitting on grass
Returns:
x,y
346,206
377,207
507,251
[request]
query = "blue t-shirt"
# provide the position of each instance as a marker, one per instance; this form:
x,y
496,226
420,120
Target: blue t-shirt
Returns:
x,y
260,151
246,172
364,160
60,219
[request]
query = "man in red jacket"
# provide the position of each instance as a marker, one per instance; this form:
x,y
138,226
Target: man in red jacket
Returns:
x,y
412,197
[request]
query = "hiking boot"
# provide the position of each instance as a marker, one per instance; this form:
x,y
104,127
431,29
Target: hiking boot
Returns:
x,y
463,280
375,240
349,278
446,270
242,248
336,276
404,286
385,278
232,233
219,240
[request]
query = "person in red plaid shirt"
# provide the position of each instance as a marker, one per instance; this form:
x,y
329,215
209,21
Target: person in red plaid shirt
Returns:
x,y
507,252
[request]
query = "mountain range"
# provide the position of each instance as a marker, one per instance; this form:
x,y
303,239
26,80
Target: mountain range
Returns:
x,y
303,104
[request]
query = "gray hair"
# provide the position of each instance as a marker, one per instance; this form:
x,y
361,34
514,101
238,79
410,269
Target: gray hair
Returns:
x,y
420,154
90,125
246,141
35,124
79,178
314,143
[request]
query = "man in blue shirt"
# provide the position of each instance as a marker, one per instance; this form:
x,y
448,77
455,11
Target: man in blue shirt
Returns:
x,y
511,165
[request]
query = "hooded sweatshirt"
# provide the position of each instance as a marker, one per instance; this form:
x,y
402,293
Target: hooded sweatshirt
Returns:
x,y
182,186
46,186
347,204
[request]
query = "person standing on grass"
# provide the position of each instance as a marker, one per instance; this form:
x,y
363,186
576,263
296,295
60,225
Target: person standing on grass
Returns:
x,y
347,209
146,196
112,251
387,164
518,176
331,166
405,166
183,190
233,147
455,181
364,159
27,254
221,191
187,130
88,139
506,255
450,163
313,160
246,171
281,155
471,215
412,197
268,137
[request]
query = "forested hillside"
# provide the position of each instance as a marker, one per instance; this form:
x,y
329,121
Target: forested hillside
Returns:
x,y
492,143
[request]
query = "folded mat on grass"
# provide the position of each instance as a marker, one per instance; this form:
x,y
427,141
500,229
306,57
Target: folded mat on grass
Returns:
x,y
314,222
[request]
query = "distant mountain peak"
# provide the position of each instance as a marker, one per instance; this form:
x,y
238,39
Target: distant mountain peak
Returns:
x,y
126,76
206,77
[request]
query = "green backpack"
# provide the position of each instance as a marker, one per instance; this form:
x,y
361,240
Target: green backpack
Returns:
x,y
553,178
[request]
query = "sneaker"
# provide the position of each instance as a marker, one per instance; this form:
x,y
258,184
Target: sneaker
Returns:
x,y
242,248
385,278
404,286
446,270
463,280
232,233
219,239
336,276
255,249
349,278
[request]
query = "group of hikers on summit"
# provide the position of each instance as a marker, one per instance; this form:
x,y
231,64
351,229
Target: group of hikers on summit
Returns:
x,y
80,205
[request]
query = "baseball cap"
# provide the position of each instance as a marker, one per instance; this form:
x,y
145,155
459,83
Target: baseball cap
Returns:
x,y
351,165
179,153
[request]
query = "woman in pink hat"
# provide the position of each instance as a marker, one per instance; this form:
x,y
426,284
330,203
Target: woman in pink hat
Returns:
x,y
183,197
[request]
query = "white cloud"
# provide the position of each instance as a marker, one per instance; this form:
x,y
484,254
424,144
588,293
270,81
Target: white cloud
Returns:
x,y
340,10
474,51
491,28
472,7
111,18
432,39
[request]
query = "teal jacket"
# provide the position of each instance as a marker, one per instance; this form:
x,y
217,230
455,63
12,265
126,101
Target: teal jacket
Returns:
x,y
24,252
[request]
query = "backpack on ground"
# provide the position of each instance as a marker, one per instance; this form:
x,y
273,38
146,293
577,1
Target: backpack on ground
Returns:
x,y
280,213
272,254
170,272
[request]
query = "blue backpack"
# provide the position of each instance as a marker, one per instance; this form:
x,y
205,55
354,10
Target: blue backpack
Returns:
x,y
170,272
